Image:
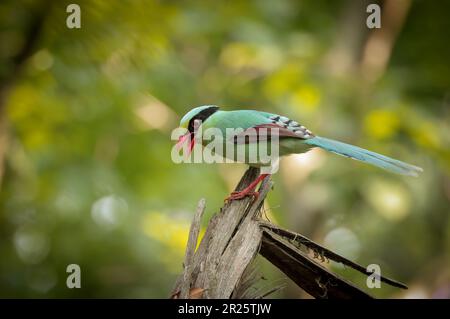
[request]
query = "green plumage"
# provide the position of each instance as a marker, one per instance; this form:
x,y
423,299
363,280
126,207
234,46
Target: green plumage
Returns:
x,y
294,138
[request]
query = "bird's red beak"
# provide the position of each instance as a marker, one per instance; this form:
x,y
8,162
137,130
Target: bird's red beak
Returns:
x,y
186,138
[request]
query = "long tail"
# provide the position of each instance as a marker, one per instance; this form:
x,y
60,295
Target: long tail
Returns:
x,y
363,155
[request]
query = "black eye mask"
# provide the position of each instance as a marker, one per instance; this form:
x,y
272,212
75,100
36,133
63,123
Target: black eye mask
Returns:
x,y
202,116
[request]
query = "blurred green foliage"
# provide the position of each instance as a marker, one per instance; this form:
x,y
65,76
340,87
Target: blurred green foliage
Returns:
x,y
87,175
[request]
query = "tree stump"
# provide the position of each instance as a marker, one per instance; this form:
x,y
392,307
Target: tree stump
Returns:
x,y
234,237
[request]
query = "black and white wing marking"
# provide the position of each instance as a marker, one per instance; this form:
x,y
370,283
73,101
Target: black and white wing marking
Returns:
x,y
293,126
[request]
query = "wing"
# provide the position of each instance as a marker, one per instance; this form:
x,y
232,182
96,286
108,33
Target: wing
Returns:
x,y
276,125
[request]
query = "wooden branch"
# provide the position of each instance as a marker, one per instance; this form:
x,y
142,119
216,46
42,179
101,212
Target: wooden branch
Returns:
x,y
322,252
190,249
309,275
219,268
230,243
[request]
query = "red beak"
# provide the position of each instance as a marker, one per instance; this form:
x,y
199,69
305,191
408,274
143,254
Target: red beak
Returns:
x,y
188,137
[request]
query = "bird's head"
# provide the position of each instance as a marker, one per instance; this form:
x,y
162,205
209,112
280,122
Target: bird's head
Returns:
x,y
188,121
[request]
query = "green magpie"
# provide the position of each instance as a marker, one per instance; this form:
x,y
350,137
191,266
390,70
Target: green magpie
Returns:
x,y
292,138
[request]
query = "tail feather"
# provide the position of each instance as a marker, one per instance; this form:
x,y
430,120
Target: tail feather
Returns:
x,y
363,155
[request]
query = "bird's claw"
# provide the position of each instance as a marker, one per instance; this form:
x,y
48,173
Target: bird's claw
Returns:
x,y
241,195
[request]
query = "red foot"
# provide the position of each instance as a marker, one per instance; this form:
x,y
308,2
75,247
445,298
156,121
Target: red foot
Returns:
x,y
241,194
248,191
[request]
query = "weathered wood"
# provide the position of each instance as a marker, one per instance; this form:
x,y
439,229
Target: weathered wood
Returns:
x,y
241,250
309,275
230,243
190,249
233,238
323,252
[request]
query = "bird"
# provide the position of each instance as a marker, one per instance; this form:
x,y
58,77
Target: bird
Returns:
x,y
293,138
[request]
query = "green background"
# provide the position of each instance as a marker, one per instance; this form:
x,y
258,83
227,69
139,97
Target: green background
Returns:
x,y
86,117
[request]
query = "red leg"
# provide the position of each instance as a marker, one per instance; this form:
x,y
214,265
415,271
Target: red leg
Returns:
x,y
248,191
